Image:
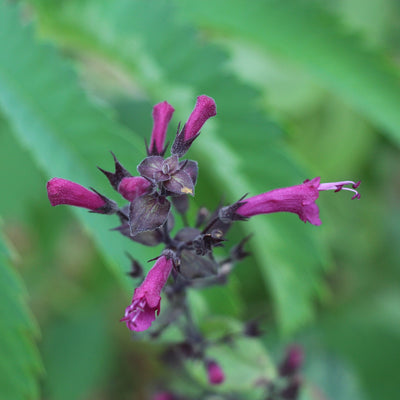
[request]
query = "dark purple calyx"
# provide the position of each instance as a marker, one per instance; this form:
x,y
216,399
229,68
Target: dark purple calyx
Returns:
x,y
204,109
173,177
228,214
109,207
181,203
116,177
136,270
147,238
238,252
147,213
204,243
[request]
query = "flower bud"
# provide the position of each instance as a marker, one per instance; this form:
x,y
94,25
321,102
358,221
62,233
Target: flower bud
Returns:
x,y
215,373
162,114
205,108
133,187
62,191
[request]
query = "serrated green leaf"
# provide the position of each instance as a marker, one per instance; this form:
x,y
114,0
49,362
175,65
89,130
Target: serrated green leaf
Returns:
x,y
66,134
170,63
20,365
310,37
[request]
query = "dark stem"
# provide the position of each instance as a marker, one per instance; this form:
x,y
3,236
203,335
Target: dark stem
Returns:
x,y
122,215
167,237
185,220
210,225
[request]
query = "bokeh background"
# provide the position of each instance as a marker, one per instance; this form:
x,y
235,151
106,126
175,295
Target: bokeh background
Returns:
x,y
303,89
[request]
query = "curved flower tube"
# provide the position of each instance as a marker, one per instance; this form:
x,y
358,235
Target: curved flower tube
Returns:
x,y
146,298
299,199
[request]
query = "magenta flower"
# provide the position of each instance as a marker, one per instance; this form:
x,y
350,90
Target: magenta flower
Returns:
x,y
204,109
162,114
132,187
215,373
146,298
62,191
299,199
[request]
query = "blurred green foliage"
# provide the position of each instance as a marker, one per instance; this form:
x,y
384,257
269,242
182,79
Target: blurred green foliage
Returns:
x,y
303,88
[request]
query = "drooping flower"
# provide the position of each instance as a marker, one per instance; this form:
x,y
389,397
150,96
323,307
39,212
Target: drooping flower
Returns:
x,y
133,187
204,109
147,297
215,373
62,191
299,199
162,114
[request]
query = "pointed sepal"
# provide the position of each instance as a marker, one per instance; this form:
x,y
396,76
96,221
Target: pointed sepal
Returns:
x,y
116,177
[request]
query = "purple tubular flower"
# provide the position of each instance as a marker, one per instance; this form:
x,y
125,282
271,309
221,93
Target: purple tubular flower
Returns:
x,y
62,191
204,109
146,298
215,373
162,114
299,199
133,187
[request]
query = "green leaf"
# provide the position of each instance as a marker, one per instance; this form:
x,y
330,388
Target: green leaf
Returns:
x,y
240,151
367,333
15,201
78,349
330,377
311,38
20,365
66,134
244,361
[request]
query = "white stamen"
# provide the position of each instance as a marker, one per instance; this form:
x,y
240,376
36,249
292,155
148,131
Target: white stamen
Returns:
x,y
338,186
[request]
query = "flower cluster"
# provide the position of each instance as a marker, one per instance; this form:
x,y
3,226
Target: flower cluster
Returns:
x,y
164,183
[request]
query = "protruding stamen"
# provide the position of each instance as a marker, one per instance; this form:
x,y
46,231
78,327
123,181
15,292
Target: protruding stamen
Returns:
x,y
133,311
338,186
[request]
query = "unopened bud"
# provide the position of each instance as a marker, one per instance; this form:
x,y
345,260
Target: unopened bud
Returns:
x,y
215,373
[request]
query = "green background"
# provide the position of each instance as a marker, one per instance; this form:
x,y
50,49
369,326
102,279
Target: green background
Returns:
x,y
303,89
